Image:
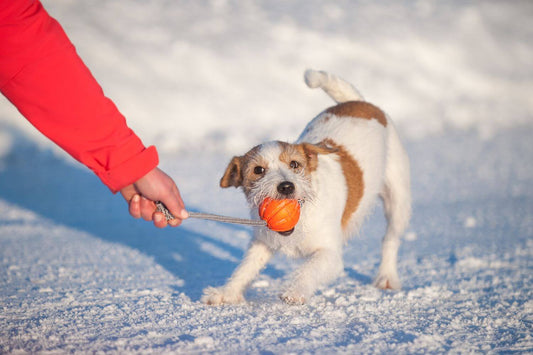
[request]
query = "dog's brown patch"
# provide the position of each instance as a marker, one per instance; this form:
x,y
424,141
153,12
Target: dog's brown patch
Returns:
x,y
359,109
354,180
293,152
305,154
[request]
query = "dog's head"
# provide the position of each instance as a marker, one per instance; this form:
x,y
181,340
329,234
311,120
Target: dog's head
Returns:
x,y
275,169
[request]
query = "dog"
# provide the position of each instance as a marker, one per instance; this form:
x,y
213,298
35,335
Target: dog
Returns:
x,y
345,158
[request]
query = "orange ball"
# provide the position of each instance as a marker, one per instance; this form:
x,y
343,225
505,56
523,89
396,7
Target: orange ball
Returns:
x,y
280,215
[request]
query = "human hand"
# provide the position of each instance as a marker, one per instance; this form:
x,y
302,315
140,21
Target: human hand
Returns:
x,y
155,186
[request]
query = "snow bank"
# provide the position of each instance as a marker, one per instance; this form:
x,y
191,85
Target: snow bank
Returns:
x,y
225,75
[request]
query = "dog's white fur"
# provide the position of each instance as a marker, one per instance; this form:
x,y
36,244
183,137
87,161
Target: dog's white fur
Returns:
x,y
345,154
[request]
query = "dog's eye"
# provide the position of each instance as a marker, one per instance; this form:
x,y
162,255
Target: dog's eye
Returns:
x,y
294,164
259,170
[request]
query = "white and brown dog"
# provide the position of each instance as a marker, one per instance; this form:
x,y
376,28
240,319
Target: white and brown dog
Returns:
x,y
345,158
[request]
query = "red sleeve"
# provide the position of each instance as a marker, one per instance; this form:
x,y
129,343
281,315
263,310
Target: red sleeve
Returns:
x,y
41,74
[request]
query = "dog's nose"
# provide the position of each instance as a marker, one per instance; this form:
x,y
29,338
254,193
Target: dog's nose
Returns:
x,y
286,188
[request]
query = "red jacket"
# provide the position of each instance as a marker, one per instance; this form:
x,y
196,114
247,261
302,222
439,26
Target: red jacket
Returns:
x,y
41,74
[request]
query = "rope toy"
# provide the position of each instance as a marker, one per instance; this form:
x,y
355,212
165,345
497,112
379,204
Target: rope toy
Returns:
x,y
277,215
160,207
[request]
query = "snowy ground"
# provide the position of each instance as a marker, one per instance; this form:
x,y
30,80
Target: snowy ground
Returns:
x,y
204,80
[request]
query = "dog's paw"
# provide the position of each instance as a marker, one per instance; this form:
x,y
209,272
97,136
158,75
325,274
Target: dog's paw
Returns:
x,y
292,298
215,296
389,281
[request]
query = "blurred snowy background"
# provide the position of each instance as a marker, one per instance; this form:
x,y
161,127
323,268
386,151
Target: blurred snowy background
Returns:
x,y
205,80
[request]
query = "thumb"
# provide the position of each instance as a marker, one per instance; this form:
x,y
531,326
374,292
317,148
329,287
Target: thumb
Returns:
x,y
172,207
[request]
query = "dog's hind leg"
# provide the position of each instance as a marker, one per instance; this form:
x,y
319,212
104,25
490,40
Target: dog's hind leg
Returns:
x,y
396,197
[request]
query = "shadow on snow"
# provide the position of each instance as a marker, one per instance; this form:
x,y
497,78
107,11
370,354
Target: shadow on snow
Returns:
x,y
37,180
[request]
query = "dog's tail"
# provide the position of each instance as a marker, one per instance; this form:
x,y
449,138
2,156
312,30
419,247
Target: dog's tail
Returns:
x,y
338,89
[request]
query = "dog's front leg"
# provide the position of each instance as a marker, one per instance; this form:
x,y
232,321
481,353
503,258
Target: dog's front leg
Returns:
x,y
321,267
232,292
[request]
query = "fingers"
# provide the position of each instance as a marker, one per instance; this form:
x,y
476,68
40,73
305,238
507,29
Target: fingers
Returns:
x,y
173,221
159,220
148,213
181,213
142,207
147,209
135,206
155,186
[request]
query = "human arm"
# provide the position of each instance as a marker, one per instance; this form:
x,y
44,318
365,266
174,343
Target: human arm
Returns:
x,y
42,75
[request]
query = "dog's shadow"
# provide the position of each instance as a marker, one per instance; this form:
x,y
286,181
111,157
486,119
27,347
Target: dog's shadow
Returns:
x,y
40,181
357,276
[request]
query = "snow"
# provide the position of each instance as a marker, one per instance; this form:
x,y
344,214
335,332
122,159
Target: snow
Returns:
x,y
205,80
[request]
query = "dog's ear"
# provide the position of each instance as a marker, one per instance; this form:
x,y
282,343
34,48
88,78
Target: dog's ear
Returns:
x,y
323,147
233,175
313,150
